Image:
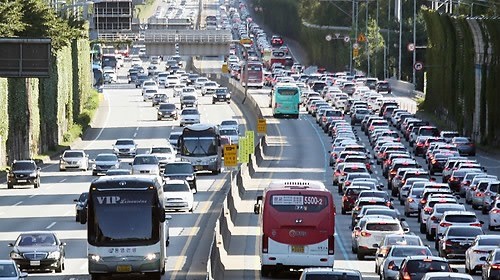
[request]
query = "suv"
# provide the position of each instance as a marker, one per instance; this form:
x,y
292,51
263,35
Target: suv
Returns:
x,y
77,159
221,94
81,207
433,221
23,172
181,170
415,267
456,240
373,232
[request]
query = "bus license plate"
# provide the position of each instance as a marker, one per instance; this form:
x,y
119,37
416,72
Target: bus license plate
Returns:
x,y
297,249
198,167
124,268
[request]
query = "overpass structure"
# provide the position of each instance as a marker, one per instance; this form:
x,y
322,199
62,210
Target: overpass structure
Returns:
x,y
187,42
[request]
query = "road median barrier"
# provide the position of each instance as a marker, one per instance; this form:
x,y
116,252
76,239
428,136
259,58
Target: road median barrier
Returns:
x,y
231,205
224,230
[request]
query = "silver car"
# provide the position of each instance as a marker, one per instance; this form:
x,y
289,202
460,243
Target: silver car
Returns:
x,y
389,269
145,164
74,159
10,271
189,116
164,154
104,162
125,147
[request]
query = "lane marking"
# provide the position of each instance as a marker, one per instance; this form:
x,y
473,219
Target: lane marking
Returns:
x,y
33,195
63,180
18,203
195,227
51,225
104,125
135,134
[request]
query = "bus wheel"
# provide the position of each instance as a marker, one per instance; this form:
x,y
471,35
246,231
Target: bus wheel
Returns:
x,y
153,275
215,172
265,270
95,277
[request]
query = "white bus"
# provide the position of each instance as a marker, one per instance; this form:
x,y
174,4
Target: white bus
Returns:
x,y
127,231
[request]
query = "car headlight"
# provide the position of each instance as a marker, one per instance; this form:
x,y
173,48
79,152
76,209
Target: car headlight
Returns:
x,y
189,178
132,149
95,258
213,160
15,255
228,96
33,174
54,255
160,113
152,256
214,96
116,149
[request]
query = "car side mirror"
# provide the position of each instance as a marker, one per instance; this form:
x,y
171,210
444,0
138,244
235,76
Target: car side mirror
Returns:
x,y
23,275
11,245
406,230
375,245
357,228
481,222
440,234
168,217
256,208
380,255
38,168
63,244
75,200
130,163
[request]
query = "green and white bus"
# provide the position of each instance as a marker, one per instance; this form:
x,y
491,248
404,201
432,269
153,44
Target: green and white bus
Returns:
x,y
285,100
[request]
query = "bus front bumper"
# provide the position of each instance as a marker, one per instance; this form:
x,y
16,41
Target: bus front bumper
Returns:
x,y
124,264
297,261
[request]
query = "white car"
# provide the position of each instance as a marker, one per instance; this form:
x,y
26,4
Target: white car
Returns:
x,y
74,159
434,219
164,154
480,247
396,255
178,89
149,84
231,134
125,147
189,116
172,80
457,218
199,82
177,195
494,216
148,94
11,271
112,74
230,124
233,59
162,78
446,275
372,231
145,164
209,88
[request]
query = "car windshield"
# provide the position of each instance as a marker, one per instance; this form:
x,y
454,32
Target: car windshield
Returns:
x,y
330,276
423,266
176,188
23,165
36,240
178,169
461,218
145,160
124,142
167,106
73,154
489,242
106,158
374,194
402,252
161,150
385,212
190,112
464,231
402,240
8,270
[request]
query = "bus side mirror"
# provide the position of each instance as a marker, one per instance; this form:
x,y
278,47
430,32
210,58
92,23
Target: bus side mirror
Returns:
x,y
256,207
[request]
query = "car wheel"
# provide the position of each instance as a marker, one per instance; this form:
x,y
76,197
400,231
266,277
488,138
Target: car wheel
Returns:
x,y
37,184
360,256
407,214
475,207
213,102
94,173
428,236
265,270
484,210
344,212
490,227
77,216
60,267
10,186
422,228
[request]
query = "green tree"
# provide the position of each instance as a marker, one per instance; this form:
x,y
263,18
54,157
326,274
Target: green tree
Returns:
x,y
10,18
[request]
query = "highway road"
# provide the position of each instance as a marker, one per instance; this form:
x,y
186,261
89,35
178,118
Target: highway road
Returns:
x,y
122,114
299,150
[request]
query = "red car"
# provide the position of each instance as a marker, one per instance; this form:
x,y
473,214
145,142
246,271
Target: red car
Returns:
x,y
350,196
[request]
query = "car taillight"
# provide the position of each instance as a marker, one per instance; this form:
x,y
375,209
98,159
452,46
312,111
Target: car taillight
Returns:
x,y
453,179
344,198
423,201
448,242
479,194
475,225
406,276
495,211
393,172
391,265
433,161
331,245
365,234
347,183
428,210
265,243
444,224
495,266
434,218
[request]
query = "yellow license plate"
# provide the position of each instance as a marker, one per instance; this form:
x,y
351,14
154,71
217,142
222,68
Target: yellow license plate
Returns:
x,y
124,268
297,249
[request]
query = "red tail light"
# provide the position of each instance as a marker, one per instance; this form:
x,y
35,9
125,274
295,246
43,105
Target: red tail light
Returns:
x,y
423,201
479,194
428,210
453,179
448,242
475,225
420,144
444,224
331,245
344,198
433,161
434,218
406,276
495,211
495,266
365,234
265,243
347,183
391,265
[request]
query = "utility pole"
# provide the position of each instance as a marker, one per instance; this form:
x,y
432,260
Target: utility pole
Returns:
x,y
350,44
414,40
400,35
367,43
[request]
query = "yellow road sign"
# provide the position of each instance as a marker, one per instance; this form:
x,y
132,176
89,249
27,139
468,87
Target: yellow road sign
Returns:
x,y
261,126
230,155
242,150
361,38
250,135
355,52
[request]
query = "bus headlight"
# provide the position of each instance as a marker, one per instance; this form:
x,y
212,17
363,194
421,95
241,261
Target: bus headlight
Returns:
x,y
152,256
95,258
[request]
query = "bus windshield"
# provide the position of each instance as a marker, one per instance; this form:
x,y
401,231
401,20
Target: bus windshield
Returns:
x,y
107,225
199,146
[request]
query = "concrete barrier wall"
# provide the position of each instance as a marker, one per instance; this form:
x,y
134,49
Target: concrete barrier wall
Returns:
x,y
405,88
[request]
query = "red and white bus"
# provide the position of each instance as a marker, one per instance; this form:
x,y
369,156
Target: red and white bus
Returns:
x,y
255,74
297,219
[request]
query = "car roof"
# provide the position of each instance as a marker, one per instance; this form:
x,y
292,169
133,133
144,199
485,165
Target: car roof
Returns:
x,y
329,270
173,182
450,275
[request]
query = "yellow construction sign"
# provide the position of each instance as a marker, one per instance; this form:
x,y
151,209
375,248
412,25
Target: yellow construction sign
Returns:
x,y
261,126
355,52
230,155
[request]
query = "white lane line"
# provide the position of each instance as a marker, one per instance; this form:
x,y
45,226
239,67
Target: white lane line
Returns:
x,y
33,195
62,180
104,125
51,225
135,134
18,203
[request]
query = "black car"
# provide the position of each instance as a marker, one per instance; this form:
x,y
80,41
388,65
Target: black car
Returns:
x,y
181,170
81,206
415,267
453,243
191,78
40,250
167,111
140,79
383,86
23,172
221,94
132,76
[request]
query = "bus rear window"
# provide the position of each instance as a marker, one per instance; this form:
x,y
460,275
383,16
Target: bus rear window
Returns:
x,y
288,91
298,203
